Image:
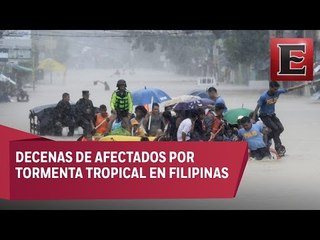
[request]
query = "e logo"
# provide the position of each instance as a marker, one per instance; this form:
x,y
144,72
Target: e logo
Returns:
x,y
291,59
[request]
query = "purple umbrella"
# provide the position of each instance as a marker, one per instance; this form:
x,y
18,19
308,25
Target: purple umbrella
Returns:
x,y
193,104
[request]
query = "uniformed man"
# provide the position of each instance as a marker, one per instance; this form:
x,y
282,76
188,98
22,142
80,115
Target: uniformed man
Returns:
x,y
64,116
85,113
121,99
121,102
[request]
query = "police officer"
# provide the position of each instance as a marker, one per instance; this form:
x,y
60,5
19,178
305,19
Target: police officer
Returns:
x,y
121,100
64,116
85,113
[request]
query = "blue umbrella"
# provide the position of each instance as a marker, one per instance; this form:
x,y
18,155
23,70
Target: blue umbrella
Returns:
x,y
193,104
200,93
144,96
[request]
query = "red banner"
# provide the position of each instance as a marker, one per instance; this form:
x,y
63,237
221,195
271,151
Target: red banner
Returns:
x,y
52,170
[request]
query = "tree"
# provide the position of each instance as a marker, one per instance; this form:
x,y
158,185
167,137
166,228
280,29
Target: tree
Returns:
x,y
245,48
187,50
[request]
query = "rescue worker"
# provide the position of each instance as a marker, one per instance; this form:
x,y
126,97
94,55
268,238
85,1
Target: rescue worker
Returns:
x,y
64,116
253,134
121,100
85,113
213,95
266,104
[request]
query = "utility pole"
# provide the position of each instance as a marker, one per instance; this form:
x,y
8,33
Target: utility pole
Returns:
x,y
316,44
33,73
35,56
33,59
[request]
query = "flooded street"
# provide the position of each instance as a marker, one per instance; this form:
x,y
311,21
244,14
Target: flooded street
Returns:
x,y
290,183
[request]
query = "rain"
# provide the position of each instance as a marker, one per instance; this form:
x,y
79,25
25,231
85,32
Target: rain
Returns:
x,y
47,63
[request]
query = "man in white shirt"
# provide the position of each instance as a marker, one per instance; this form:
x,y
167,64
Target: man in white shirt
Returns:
x,y
186,126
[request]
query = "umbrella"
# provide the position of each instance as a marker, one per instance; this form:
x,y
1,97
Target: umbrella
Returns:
x,y
20,68
3,78
232,115
200,93
146,95
181,98
193,104
52,65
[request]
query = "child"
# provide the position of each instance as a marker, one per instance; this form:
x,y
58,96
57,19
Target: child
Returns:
x,y
101,121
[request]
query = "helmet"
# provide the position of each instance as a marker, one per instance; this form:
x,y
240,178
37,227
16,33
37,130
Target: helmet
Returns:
x,y
121,82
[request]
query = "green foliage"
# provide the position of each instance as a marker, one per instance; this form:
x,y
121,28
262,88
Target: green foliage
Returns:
x,y
185,49
191,51
247,47
185,52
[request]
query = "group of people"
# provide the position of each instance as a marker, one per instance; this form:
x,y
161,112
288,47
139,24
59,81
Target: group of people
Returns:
x,y
95,122
82,115
258,129
263,125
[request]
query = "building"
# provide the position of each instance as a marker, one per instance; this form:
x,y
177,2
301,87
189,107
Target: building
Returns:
x,y
15,46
